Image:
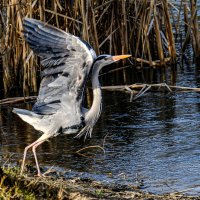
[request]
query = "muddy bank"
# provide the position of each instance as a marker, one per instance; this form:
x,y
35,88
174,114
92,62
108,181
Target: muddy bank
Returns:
x,y
13,186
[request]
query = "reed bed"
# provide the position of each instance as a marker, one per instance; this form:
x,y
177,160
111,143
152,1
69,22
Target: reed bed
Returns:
x,y
147,29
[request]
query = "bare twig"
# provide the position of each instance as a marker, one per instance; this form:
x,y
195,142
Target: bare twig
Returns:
x,y
142,91
89,147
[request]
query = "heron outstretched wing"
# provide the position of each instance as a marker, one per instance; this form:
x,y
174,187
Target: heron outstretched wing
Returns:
x,y
67,61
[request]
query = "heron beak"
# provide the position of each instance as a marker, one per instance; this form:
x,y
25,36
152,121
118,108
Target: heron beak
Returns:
x,y
116,58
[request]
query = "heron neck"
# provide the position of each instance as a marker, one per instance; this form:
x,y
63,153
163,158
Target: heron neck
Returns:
x,y
94,112
95,78
96,87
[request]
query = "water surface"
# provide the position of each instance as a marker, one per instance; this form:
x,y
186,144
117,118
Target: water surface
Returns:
x,y
153,142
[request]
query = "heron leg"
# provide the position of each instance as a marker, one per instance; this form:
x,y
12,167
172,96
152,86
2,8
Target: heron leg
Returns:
x,y
38,141
24,158
34,153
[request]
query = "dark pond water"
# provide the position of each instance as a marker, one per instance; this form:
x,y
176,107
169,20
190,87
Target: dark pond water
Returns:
x,y
153,141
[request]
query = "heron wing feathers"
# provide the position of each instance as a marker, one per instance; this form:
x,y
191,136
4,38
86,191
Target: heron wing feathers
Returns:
x,y
67,61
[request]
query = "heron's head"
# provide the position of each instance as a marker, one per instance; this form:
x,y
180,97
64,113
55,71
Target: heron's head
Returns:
x,y
105,59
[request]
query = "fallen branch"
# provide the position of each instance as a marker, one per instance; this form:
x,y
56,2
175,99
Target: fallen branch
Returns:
x,y
143,88
138,86
14,100
152,63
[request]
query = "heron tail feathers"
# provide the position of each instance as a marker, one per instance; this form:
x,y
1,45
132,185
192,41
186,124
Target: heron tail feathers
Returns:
x,y
26,115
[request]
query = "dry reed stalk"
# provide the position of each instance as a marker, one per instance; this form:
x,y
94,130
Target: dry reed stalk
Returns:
x,y
124,31
187,28
61,15
41,10
186,20
169,32
179,17
195,28
93,27
158,37
85,20
111,35
25,70
110,26
146,30
6,69
138,40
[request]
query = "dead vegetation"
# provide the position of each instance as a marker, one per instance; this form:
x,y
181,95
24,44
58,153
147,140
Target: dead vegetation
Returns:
x,y
146,29
13,186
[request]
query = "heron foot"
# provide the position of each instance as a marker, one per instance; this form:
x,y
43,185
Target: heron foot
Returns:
x,y
48,173
41,175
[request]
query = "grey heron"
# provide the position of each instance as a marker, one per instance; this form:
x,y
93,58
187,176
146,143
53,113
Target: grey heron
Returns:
x,y
67,61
